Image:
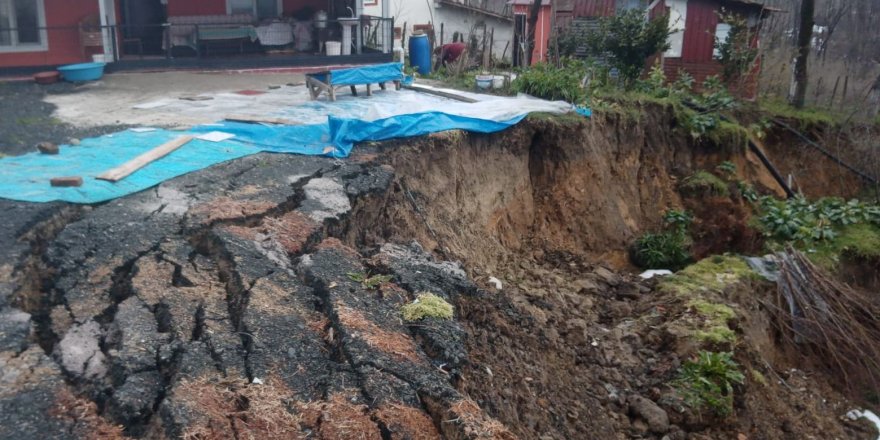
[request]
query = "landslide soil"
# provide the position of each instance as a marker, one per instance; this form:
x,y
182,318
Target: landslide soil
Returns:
x,y
227,303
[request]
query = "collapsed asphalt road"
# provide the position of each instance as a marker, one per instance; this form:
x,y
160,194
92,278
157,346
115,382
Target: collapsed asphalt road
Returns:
x,y
216,306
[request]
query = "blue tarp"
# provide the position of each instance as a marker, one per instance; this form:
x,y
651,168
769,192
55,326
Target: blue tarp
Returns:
x,y
26,177
373,74
332,129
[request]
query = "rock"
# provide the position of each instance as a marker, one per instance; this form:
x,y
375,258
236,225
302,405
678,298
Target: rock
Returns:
x,y
586,285
607,276
628,290
134,400
47,148
74,142
15,327
80,353
639,427
654,416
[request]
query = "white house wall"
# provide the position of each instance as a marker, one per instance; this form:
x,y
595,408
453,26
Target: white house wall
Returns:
x,y
454,19
463,21
677,20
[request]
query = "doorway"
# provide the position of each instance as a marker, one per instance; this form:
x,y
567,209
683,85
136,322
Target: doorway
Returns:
x,y
142,27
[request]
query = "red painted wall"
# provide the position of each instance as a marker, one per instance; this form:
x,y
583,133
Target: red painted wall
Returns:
x,y
218,7
63,45
594,8
542,33
200,7
699,34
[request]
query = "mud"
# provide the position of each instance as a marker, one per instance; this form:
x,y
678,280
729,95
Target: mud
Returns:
x,y
227,303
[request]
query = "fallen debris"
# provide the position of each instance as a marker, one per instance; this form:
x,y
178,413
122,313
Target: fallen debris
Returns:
x,y
65,182
865,414
122,171
828,321
47,148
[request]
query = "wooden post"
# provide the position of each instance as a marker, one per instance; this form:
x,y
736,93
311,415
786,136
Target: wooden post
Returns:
x,y
441,34
834,93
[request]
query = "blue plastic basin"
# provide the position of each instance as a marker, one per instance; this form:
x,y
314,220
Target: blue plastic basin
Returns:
x,y
82,72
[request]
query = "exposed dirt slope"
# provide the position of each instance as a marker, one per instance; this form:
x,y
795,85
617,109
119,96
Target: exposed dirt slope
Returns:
x,y
232,302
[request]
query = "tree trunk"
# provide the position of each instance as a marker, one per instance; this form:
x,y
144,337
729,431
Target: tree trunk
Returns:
x,y
532,24
804,40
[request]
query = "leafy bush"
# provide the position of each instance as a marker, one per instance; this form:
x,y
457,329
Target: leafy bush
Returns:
x,y
707,382
544,80
704,183
798,219
737,55
664,250
629,40
667,249
427,305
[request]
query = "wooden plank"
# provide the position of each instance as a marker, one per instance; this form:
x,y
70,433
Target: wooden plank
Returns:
x,y
442,93
66,182
260,119
124,170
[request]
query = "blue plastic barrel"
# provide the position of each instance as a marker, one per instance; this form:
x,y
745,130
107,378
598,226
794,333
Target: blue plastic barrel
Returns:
x,y
420,54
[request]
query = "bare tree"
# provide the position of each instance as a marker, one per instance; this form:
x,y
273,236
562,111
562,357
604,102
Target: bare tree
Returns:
x,y
804,42
532,24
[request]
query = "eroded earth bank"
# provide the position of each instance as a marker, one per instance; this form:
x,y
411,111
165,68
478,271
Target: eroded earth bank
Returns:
x,y
262,298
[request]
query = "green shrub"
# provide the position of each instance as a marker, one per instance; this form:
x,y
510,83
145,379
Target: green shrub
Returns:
x,y
703,183
427,305
707,382
664,250
629,40
737,54
545,81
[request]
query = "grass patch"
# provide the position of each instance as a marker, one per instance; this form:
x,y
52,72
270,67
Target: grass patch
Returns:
x,y
706,383
426,305
804,117
860,240
729,134
369,282
702,183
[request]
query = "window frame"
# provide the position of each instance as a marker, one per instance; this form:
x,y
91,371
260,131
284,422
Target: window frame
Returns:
x,y
16,46
279,7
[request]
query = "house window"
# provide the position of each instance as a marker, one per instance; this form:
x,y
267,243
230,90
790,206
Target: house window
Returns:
x,y
722,33
625,5
22,24
260,9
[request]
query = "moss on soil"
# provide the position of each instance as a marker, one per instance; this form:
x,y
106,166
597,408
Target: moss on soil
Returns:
x,y
699,284
729,134
803,118
704,182
426,305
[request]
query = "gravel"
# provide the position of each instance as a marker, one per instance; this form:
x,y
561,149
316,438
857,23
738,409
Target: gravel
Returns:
x,y
27,119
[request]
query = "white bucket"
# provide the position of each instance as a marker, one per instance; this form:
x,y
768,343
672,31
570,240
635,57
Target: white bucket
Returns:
x,y
498,82
99,58
333,48
484,82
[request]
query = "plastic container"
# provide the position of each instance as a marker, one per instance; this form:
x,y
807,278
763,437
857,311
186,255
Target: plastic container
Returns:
x,y
47,77
82,72
420,53
498,82
484,82
334,48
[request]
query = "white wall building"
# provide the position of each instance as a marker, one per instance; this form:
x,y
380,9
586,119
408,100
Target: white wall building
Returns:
x,y
463,16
